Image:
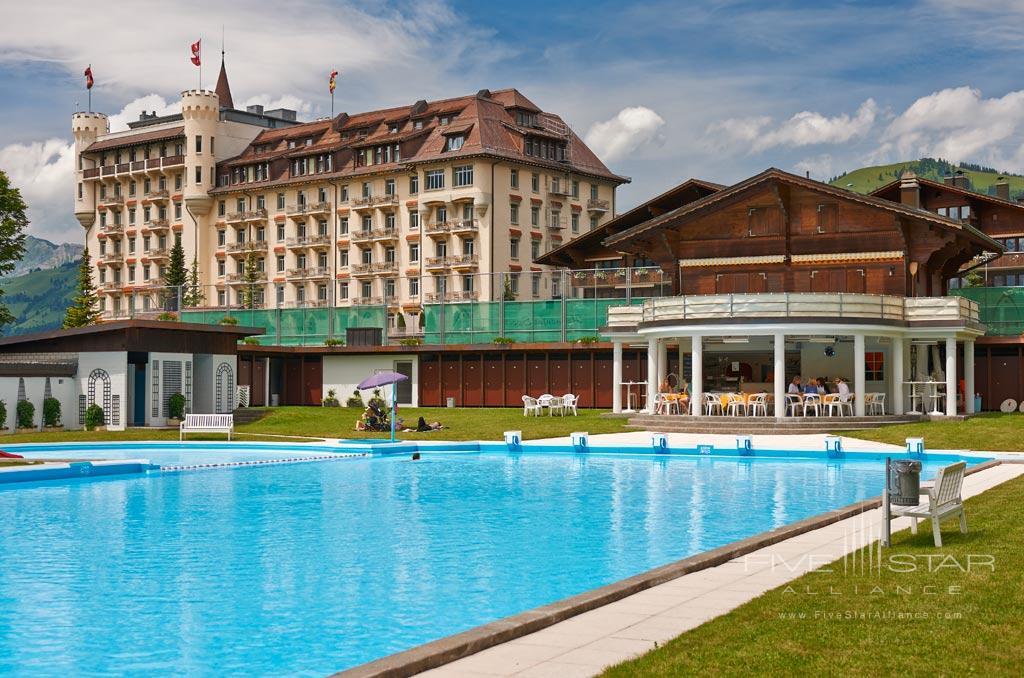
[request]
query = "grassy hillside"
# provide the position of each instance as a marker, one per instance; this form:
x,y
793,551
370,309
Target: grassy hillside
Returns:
x,y
982,179
38,299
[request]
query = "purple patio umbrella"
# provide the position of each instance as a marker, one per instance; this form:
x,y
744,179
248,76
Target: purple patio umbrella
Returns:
x,y
383,379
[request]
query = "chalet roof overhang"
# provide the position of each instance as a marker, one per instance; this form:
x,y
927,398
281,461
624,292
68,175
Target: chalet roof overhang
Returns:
x,y
950,188
714,201
133,335
128,140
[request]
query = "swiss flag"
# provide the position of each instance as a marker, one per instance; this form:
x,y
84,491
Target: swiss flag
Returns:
x,y
195,52
88,77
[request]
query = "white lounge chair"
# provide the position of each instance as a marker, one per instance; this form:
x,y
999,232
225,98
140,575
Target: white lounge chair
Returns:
x,y
943,501
531,406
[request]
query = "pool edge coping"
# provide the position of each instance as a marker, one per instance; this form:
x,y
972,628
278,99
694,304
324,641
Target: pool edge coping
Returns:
x,y
451,648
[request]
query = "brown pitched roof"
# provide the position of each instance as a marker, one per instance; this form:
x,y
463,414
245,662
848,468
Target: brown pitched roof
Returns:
x,y
966,192
773,174
223,88
133,140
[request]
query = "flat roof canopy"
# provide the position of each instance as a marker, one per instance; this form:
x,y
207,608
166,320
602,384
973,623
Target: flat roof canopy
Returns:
x,y
134,335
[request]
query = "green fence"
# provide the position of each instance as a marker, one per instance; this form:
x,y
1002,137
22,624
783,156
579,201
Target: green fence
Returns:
x,y
1002,308
296,326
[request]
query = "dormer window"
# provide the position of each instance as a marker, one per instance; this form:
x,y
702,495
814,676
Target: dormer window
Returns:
x,y
417,124
454,143
393,128
526,118
309,141
444,120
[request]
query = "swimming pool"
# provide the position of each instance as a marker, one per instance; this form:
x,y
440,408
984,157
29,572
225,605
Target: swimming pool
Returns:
x,y
306,569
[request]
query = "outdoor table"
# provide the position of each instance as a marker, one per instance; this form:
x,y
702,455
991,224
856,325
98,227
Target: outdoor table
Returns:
x,y
924,395
629,393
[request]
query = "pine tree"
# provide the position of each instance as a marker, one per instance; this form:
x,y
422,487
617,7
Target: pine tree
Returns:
x,y
84,309
12,235
250,281
176,277
194,296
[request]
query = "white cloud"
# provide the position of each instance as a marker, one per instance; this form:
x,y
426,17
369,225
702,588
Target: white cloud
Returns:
x,y
806,128
819,167
150,103
269,102
959,124
44,172
630,129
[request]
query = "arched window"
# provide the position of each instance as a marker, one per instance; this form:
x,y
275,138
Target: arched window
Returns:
x,y
225,389
102,376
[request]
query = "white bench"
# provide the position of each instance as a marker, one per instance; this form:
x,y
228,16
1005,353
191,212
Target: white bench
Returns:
x,y
207,423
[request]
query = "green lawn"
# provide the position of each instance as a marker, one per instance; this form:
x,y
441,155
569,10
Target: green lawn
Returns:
x,y
783,633
989,432
339,422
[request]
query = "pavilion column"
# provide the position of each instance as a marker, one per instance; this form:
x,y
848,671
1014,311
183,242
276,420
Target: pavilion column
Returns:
x,y
897,376
858,374
652,372
969,377
662,362
951,376
697,371
616,376
780,375
922,363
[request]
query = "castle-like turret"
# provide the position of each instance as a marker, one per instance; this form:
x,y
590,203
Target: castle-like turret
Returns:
x,y
86,127
200,110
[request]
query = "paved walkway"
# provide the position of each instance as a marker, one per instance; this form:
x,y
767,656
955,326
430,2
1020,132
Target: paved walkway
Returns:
x,y
584,645
803,441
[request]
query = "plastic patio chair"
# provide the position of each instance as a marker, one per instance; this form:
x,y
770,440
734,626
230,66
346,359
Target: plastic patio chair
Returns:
x,y
712,403
836,404
735,407
569,402
812,401
531,406
875,403
758,403
793,405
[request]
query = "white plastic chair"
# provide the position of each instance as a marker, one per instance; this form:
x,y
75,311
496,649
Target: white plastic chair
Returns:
x,y
793,405
837,404
555,404
735,405
943,500
812,401
875,403
758,402
531,406
569,402
712,403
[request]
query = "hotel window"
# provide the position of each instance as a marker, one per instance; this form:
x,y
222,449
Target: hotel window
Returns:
x,y
443,120
513,213
280,201
221,239
280,232
534,249
261,234
593,191
414,252
145,244
367,255
199,175
535,284
131,188
321,195
131,215
367,223
462,176
131,274
199,143
220,267
389,255
221,208
575,222
240,205
321,227
343,225
513,283
575,189
343,258
874,366
414,220
389,187
80,189
131,245
414,184
178,180
261,202
535,182
513,248
367,189
417,124
453,143
321,260
434,179
389,287
389,220
442,214
280,294
280,262
593,223
117,218
211,146
343,290
535,215
177,210
513,178
467,283
344,193
414,287
366,289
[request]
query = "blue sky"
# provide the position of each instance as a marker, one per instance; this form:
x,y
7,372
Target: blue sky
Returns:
x,y
662,90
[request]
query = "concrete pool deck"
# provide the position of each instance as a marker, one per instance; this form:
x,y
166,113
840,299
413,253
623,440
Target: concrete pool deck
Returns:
x,y
805,441
584,643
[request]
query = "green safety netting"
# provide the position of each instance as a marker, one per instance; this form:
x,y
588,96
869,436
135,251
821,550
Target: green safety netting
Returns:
x,y
296,326
1002,308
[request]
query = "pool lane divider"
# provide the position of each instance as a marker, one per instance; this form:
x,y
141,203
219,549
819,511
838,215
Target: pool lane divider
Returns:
x,y
72,470
451,648
265,462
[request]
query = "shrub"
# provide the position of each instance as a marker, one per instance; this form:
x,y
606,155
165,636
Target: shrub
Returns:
x,y
51,412
378,399
176,406
25,413
334,341
504,340
229,320
410,341
592,339
3,414
93,417
355,400
332,398
167,316
251,341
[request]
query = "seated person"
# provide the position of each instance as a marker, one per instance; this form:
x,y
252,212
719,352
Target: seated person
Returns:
x,y
819,383
811,388
842,387
794,386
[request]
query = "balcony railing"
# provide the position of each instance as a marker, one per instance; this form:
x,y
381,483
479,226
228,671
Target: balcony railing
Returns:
x,y
307,208
384,267
362,202
156,225
158,195
111,286
361,236
464,261
453,297
437,227
388,199
294,243
596,205
112,229
318,241
295,273
157,253
555,224
464,225
561,188
361,269
385,234
239,279
825,306
112,258
246,247
436,262
316,272
112,200
368,301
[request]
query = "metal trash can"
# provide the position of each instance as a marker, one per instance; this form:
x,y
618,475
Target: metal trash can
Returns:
x,y
905,482
450,403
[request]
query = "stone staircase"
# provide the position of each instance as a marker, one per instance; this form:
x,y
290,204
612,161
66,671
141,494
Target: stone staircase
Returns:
x,y
765,425
247,415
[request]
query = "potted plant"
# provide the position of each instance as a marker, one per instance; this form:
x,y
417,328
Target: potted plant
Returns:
x,y
94,419
251,341
332,399
410,341
229,320
175,409
355,400
334,341
24,416
167,316
51,414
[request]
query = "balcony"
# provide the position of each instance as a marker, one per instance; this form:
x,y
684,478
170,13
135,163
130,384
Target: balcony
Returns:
x,y
798,307
555,223
111,200
318,272
464,261
362,203
386,200
319,241
159,195
152,284
361,236
437,229
559,188
362,269
295,274
156,253
246,247
435,263
464,226
156,164
296,243
596,205
307,209
384,267
112,286
239,279
368,301
385,234
112,229
451,297
112,258
155,225
246,216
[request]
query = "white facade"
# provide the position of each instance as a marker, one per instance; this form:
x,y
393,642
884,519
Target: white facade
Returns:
x,y
344,372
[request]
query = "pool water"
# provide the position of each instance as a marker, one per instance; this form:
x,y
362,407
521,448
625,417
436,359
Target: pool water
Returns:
x,y
172,453
305,569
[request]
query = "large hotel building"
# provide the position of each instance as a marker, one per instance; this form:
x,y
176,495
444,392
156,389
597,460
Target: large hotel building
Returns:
x,y
448,200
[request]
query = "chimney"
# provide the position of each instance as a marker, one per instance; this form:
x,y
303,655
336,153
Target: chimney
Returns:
x,y
1002,188
910,189
960,180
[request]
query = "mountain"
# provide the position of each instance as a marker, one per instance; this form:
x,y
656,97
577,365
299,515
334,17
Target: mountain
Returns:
x,y
42,254
983,179
38,299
